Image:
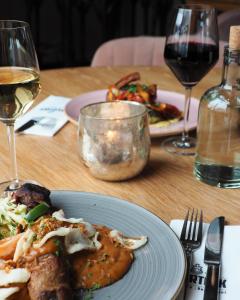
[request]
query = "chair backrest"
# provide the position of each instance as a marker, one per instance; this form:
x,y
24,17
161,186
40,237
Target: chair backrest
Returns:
x,y
142,51
147,51
225,20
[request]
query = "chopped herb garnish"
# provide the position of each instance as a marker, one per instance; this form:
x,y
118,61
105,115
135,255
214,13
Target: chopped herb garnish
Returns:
x,y
13,224
89,294
125,87
104,257
59,246
96,286
34,238
30,223
132,88
89,274
57,242
43,226
88,264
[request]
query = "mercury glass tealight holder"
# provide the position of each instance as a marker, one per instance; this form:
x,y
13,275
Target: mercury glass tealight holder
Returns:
x,y
114,139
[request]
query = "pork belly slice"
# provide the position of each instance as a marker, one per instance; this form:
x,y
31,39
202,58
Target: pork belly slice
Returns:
x,y
50,279
31,195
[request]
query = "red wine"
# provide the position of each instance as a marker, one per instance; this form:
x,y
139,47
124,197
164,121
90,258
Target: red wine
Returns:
x,y
190,62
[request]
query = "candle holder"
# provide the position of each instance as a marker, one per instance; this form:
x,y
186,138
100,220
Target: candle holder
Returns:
x,y
114,139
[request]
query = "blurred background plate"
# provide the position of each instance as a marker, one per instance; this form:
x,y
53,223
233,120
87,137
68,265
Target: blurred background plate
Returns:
x,y
159,267
73,107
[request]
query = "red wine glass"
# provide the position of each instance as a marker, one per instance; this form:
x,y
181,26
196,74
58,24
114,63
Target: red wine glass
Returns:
x,y
191,50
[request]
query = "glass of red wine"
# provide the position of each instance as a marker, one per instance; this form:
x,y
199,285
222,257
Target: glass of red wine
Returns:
x,y
191,50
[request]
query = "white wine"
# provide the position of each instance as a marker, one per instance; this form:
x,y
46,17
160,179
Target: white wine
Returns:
x,y
18,89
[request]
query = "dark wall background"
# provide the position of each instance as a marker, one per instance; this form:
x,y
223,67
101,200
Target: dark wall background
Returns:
x,y
68,32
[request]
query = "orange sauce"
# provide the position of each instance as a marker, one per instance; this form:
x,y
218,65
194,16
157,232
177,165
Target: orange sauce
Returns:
x,y
101,267
8,246
48,247
33,253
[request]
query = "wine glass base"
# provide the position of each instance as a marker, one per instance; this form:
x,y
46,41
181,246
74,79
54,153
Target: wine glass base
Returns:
x,y
7,187
179,146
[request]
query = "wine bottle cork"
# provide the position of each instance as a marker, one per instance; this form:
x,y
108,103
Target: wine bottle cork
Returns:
x,y
234,38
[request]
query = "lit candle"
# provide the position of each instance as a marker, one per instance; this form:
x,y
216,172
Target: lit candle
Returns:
x,y
112,136
113,145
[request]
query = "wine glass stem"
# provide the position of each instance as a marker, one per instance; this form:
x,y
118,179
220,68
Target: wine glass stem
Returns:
x,y
12,148
188,92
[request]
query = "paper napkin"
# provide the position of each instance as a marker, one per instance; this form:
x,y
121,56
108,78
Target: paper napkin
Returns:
x,y
48,114
230,268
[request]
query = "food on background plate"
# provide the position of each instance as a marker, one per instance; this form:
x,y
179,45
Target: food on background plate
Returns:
x,y
45,255
129,88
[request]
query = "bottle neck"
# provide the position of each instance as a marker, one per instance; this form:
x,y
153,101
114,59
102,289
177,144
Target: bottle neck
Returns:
x,y
231,70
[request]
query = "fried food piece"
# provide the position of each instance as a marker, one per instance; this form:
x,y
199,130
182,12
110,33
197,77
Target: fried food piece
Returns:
x,y
127,89
127,79
31,195
50,279
166,110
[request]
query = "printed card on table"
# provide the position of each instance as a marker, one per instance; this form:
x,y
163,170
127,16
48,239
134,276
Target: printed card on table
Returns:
x,y
48,116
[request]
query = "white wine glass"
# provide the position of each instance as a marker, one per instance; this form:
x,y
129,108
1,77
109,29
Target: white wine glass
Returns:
x,y
19,83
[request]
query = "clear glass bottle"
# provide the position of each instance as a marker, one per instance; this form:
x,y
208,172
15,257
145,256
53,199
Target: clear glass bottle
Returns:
x,y
217,159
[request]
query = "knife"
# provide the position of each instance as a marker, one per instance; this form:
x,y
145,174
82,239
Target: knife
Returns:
x,y
212,257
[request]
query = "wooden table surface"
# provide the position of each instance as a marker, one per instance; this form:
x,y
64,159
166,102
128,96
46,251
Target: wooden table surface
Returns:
x,y
166,187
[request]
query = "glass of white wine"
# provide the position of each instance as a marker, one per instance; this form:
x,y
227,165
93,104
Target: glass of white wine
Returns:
x,y
19,83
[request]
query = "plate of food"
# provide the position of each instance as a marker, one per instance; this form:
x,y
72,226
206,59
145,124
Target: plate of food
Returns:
x,y
89,246
165,107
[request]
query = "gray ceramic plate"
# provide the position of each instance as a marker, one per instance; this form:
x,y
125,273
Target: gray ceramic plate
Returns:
x,y
159,267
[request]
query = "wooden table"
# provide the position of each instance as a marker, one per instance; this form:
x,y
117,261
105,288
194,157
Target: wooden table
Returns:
x,y
166,187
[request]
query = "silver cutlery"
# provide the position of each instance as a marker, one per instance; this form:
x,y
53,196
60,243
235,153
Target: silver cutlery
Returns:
x,y
212,257
191,238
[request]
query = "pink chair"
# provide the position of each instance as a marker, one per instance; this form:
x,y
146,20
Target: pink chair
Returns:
x,y
145,51
225,20
142,51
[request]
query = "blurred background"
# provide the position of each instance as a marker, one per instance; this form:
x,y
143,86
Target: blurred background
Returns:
x,y
68,32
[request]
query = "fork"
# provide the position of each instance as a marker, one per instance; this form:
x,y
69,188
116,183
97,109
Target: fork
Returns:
x,y
191,239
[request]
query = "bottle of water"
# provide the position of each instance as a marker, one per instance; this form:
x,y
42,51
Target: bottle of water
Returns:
x,y
217,159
